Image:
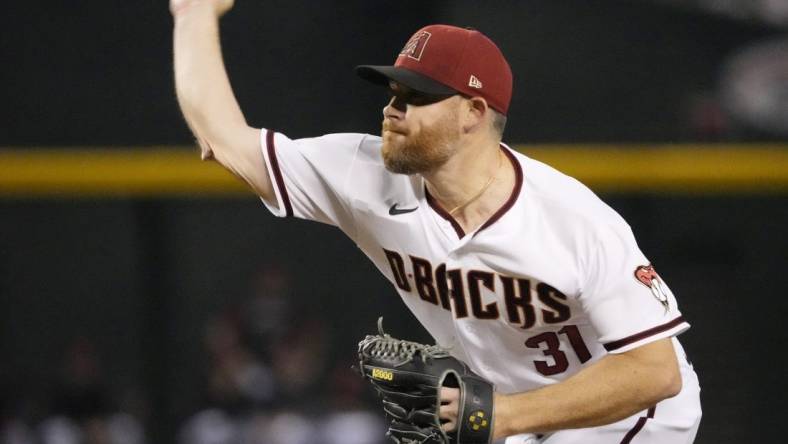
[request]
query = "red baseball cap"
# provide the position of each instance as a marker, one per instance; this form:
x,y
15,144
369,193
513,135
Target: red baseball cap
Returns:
x,y
443,59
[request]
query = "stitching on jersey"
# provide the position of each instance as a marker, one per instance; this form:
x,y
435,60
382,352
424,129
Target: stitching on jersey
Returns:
x,y
346,184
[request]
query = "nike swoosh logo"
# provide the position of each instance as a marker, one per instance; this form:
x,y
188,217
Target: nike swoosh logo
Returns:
x,y
393,211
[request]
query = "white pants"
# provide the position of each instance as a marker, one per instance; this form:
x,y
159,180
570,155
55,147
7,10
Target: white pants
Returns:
x,y
672,421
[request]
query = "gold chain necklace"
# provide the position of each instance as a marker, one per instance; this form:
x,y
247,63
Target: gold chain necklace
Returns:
x,y
481,191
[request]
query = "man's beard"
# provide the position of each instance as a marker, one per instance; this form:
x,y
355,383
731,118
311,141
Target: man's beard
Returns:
x,y
425,151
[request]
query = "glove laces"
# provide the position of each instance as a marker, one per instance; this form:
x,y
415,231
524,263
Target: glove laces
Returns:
x,y
398,351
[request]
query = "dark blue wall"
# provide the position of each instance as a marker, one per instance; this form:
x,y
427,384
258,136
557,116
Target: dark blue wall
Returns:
x,y
99,72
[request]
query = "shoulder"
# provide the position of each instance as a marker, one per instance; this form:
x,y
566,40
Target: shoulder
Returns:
x,y
369,149
566,200
363,149
334,140
332,150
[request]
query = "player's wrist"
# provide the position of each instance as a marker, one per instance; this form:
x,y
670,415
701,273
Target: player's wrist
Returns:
x,y
501,427
183,9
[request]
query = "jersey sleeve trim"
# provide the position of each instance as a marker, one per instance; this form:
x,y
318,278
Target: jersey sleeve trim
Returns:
x,y
443,213
518,185
638,337
279,181
639,425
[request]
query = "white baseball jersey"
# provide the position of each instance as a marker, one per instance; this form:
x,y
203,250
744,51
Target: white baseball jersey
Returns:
x,y
552,282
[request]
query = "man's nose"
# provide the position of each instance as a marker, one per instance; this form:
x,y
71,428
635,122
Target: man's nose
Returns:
x,y
395,109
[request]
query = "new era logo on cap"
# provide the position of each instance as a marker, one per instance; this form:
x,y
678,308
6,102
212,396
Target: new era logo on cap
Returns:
x,y
474,82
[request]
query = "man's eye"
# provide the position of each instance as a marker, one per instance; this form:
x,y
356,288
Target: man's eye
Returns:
x,y
417,99
414,98
399,97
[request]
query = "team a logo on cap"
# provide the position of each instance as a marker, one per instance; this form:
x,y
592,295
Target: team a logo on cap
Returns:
x,y
415,46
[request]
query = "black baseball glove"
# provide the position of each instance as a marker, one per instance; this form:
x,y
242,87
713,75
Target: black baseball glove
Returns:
x,y
408,377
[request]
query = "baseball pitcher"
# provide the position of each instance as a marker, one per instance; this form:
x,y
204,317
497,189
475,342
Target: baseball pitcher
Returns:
x,y
550,324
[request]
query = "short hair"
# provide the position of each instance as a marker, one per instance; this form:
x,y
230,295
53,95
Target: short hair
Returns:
x,y
498,122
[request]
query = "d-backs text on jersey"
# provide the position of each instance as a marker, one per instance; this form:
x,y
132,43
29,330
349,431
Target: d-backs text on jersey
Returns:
x,y
446,289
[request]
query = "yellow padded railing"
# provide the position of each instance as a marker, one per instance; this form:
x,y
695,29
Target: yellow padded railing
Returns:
x,y
163,171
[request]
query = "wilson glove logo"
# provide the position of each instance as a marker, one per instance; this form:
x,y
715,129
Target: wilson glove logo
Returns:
x,y
381,374
478,420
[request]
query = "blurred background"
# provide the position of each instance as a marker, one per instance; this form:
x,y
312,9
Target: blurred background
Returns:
x,y
146,297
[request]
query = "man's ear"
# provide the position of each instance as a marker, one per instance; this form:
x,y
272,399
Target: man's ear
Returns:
x,y
475,113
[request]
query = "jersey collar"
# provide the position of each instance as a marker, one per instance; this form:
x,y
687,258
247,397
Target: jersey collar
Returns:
x,y
518,184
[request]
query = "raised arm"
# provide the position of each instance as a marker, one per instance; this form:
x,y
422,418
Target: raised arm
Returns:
x,y
206,97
